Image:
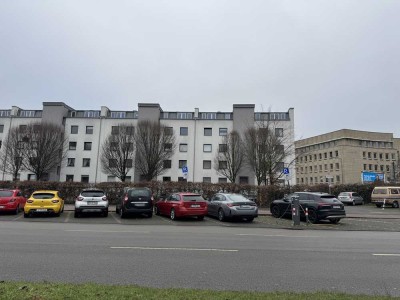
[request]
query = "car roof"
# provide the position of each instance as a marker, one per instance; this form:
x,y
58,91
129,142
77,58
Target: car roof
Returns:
x,y
187,194
45,191
94,189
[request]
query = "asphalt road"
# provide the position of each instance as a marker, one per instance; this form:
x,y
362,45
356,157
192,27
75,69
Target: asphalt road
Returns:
x,y
205,257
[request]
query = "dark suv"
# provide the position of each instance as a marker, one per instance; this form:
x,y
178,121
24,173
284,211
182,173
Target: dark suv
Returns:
x,y
136,201
321,206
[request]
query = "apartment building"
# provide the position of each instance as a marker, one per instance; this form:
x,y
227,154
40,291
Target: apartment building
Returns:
x,y
198,136
347,156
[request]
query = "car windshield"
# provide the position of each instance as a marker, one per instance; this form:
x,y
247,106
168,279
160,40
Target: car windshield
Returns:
x,y
43,195
92,194
237,198
379,191
344,194
6,193
192,198
139,193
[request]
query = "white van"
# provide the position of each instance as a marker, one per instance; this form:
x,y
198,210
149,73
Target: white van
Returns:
x,y
390,195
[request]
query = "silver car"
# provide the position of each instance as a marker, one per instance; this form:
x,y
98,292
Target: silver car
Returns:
x,y
91,200
351,198
224,206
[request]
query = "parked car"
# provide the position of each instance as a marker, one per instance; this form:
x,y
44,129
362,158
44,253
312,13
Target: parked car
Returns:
x,y
321,206
351,198
12,201
46,202
136,201
224,206
182,205
91,200
388,195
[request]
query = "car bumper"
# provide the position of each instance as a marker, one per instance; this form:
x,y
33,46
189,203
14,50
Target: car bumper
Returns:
x,y
8,206
184,212
331,215
233,213
138,211
90,209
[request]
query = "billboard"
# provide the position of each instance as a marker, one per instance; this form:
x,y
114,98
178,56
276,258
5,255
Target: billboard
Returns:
x,y
367,177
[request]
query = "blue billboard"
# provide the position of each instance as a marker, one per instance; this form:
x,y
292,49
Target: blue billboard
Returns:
x,y
372,176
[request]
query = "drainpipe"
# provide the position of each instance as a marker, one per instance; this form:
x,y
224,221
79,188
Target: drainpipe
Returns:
x,y
98,150
196,116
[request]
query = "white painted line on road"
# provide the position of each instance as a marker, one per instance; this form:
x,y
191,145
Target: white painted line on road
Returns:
x,y
106,231
182,249
19,217
386,254
115,218
218,222
67,218
279,235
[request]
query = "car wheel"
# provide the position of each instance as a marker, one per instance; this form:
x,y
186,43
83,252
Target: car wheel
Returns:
x,y
156,211
378,205
353,203
149,215
76,214
117,210
105,214
26,215
172,214
221,215
395,204
249,219
362,202
312,216
57,214
335,220
16,210
275,211
200,218
121,213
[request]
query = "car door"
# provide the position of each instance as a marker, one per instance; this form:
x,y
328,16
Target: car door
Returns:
x,y
213,205
21,199
163,204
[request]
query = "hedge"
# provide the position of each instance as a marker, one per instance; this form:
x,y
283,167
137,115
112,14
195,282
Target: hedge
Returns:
x,y
263,195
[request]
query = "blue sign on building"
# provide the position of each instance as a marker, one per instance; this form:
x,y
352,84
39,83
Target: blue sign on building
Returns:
x,y
286,171
185,170
372,176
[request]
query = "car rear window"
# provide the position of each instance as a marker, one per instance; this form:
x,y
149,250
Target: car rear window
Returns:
x,y
237,198
327,196
139,193
193,198
6,193
43,195
92,193
379,191
344,194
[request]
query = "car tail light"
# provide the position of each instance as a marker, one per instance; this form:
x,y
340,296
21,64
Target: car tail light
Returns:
x,y
104,198
79,198
29,201
12,200
55,201
126,198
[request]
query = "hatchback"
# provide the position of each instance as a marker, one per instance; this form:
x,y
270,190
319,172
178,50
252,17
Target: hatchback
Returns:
x,y
46,202
182,205
321,206
12,201
136,201
224,206
91,200
351,198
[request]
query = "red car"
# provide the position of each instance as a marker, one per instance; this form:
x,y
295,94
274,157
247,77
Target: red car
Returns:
x,y
12,201
182,205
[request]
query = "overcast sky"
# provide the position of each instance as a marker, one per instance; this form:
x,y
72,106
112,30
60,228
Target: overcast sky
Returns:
x,y
335,62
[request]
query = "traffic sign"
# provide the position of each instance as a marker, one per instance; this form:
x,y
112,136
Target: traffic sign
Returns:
x,y
185,170
286,171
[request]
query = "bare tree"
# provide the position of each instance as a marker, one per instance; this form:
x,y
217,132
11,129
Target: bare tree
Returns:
x,y
155,143
43,148
11,153
118,151
267,147
230,156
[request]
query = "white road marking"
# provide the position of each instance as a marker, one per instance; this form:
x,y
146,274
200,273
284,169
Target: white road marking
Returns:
x,y
106,231
115,218
386,254
182,249
279,235
67,218
19,217
218,222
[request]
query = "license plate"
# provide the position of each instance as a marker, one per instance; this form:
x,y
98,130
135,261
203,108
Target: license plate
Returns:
x,y
195,205
92,202
336,206
139,204
41,209
244,206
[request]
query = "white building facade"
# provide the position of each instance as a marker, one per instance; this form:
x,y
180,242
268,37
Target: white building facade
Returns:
x,y
198,136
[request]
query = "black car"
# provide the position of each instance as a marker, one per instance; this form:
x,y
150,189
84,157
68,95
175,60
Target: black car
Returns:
x,y
136,201
321,206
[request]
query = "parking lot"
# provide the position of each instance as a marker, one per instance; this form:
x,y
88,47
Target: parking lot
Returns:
x,y
366,217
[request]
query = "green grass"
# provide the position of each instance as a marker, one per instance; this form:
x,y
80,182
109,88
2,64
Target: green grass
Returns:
x,y
42,291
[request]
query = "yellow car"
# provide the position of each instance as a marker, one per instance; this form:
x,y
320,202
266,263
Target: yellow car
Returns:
x,y
48,202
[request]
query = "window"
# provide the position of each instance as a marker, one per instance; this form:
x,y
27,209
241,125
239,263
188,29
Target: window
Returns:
x,y
71,162
129,163
168,147
1,144
85,178
72,145
207,179
337,166
166,179
374,155
320,156
337,153
365,167
223,131
206,164
222,164
280,165
86,162
182,163
222,180
387,156
167,164
207,148
331,167
243,180
114,130
181,179
364,154
279,132
207,131
337,178
168,131
74,129
330,154
183,147
223,148
1,128
380,155
130,130
89,129
69,178
111,178
325,155
184,131
87,146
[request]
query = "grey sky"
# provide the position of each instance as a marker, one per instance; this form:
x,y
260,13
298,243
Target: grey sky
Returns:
x,y
335,62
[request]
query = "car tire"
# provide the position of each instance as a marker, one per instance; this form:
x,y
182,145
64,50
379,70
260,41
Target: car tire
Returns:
x,y
149,215
156,211
122,214
117,210
249,219
26,215
172,214
221,215
275,211
395,204
378,205
200,218
335,220
76,214
312,216
62,210
354,203
16,210
58,214
105,214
